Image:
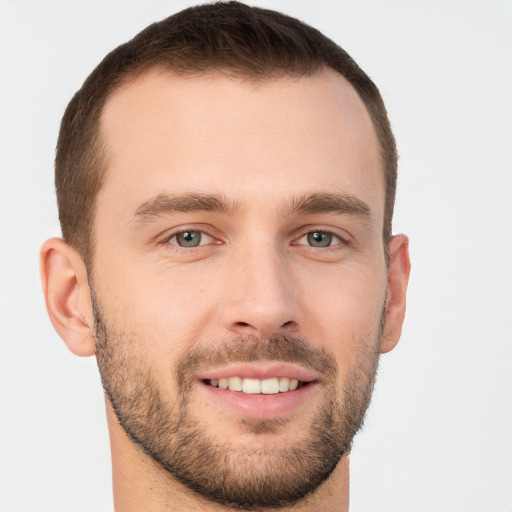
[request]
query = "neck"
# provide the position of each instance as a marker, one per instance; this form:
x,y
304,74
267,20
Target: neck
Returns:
x,y
140,484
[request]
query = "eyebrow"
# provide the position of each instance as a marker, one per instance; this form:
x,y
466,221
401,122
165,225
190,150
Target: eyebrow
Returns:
x,y
317,202
167,203
343,204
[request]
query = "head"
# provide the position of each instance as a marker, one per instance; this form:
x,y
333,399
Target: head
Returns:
x,y
226,182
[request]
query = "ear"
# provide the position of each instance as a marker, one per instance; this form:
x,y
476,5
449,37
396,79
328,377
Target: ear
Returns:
x,y
67,295
398,277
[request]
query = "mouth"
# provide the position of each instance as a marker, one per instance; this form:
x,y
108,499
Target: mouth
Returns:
x,y
259,390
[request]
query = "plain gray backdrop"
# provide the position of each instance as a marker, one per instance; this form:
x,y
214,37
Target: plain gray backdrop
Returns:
x,y
438,433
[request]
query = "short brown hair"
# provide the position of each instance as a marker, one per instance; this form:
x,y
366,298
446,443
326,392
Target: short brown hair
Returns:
x,y
231,37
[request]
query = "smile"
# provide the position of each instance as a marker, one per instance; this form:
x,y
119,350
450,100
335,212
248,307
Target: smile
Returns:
x,y
265,389
252,386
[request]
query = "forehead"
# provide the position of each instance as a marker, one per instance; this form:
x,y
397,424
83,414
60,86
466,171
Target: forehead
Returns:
x,y
245,139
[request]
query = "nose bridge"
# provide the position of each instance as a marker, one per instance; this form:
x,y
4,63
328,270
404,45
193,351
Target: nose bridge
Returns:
x,y
261,298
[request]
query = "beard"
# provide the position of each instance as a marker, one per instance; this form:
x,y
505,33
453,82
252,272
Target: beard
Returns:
x,y
230,474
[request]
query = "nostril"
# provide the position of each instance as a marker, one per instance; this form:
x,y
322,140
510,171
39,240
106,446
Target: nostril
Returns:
x,y
263,326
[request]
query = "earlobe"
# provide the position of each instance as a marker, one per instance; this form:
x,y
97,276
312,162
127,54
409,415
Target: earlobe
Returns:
x,y
398,278
67,295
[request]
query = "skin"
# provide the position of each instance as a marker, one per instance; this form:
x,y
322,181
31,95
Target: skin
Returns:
x,y
260,146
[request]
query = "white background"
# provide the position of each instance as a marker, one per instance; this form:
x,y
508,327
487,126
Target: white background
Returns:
x,y
438,434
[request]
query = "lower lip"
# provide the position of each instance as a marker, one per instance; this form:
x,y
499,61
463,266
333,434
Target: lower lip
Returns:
x,y
259,405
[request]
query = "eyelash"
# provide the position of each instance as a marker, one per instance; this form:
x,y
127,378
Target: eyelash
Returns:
x,y
166,240
343,241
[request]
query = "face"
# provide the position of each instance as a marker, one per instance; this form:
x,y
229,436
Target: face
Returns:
x,y
239,278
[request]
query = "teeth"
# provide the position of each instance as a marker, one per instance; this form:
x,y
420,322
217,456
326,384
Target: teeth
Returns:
x,y
256,386
252,386
235,383
270,386
284,384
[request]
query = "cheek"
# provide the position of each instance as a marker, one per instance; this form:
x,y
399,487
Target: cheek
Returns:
x,y
161,312
343,311
165,309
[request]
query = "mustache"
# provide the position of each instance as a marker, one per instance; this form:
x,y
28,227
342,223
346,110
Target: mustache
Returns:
x,y
248,349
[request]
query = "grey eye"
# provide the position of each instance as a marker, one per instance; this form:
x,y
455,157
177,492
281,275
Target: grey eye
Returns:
x,y
188,238
319,239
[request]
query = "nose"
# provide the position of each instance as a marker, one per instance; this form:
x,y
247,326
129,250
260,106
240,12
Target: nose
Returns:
x,y
261,297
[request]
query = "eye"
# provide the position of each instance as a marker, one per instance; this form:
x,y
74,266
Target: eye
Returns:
x,y
319,239
190,238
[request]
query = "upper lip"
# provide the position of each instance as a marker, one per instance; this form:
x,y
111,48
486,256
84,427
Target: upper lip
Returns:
x,y
260,370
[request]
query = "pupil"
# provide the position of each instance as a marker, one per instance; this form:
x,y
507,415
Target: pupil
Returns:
x,y
319,239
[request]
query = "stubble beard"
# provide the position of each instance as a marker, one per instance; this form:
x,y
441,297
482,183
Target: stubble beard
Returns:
x,y
244,478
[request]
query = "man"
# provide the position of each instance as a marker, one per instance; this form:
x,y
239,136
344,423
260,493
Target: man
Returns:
x,y
226,183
